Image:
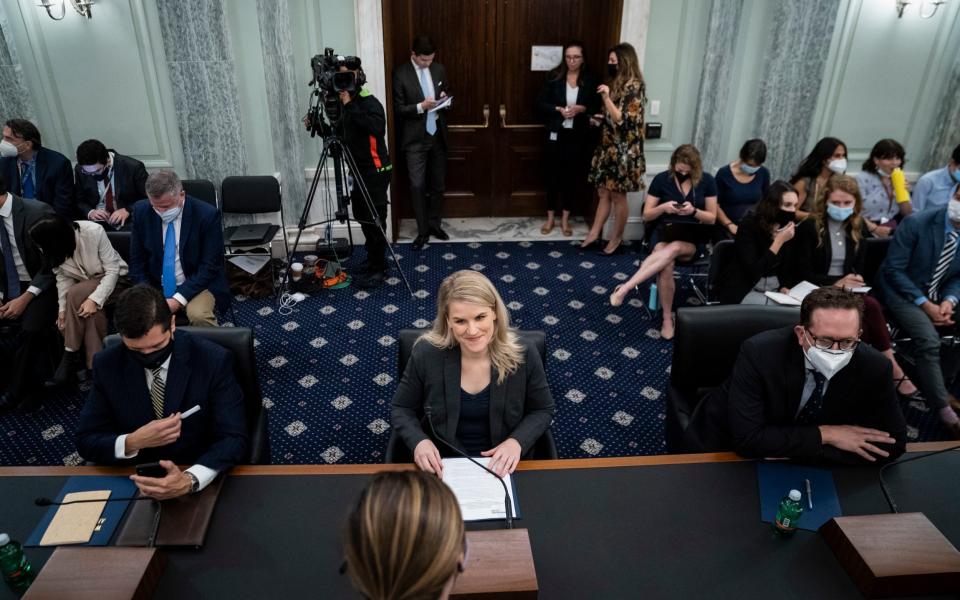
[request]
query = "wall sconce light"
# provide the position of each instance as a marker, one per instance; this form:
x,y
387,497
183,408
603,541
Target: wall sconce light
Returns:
x,y
83,7
903,4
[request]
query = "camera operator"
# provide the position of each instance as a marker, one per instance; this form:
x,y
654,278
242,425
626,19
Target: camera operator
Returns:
x,y
364,126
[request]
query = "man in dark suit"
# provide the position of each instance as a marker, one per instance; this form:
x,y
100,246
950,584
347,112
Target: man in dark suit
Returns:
x,y
185,260
36,172
108,184
141,389
811,392
28,306
418,85
919,283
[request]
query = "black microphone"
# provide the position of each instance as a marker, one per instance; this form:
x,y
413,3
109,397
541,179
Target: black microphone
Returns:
x,y
506,494
151,541
883,484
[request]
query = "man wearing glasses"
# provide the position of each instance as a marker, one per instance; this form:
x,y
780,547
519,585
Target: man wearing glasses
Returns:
x,y
810,392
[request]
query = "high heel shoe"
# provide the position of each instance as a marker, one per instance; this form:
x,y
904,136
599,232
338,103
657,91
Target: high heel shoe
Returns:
x,y
585,245
618,249
613,301
673,327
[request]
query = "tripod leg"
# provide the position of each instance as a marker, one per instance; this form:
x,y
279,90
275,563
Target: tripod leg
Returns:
x,y
302,224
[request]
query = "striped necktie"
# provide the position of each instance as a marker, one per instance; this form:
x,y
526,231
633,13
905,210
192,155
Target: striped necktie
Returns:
x,y
943,265
156,392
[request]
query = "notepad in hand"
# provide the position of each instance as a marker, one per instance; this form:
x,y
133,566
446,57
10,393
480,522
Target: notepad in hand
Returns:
x,y
796,295
75,523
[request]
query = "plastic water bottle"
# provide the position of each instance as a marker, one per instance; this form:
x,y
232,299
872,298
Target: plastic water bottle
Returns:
x,y
17,572
654,302
788,513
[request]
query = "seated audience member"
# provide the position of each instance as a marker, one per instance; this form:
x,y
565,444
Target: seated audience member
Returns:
x,y
919,282
809,392
762,249
88,270
830,249
33,171
683,194
28,302
880,206
741,185
142,386
486,392
421,511
186,260
828,158
934,189
108,184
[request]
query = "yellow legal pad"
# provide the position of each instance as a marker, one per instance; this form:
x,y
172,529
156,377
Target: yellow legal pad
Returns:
x,y
74,523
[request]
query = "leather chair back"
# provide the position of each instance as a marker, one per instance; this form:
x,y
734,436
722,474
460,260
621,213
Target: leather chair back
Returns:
x,y
201,189
250,194
721,257
120,240
875,253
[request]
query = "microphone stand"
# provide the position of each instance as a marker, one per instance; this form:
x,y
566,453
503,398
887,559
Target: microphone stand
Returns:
x,y
883,484
508,505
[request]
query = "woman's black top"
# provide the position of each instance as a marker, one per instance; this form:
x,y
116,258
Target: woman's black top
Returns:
x,y
554,94
473,429
813,254
752,259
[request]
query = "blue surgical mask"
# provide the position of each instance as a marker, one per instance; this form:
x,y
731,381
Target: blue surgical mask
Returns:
x,y
749,170
838,213
170,215
956,175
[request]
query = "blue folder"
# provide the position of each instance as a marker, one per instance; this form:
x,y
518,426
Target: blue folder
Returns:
x,y
777,478
119,486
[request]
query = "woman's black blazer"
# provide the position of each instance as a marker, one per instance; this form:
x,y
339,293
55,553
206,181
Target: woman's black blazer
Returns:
x,y
812,261
752,259
554,94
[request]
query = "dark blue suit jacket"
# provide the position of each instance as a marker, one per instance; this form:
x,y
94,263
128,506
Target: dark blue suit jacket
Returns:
x,y
54,176
200,373
914,252
201,250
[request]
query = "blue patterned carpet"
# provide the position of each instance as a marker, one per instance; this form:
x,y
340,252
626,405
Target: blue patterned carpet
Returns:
x,y
329,369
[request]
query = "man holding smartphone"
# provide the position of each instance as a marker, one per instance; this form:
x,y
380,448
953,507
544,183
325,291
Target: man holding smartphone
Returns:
x,y
143,391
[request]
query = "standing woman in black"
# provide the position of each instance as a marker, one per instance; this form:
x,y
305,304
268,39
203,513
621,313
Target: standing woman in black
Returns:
x,y
568,98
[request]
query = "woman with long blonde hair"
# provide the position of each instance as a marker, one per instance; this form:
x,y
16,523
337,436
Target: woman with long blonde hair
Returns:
x,y
484,390
618,163
404,538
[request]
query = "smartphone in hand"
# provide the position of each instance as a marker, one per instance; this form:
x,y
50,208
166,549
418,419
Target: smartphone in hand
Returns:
x,y
152,469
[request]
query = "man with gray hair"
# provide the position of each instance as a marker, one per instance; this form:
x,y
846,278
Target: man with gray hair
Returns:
x,y
177,246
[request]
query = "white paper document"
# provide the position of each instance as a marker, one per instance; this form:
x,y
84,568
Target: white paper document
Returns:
x,y
479,493
445,102
251,263
796,295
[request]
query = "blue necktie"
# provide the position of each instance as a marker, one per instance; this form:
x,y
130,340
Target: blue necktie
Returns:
x,y
431,116
811,410
169,276
27,188
10,267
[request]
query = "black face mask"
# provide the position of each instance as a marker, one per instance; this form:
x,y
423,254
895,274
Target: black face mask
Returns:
x,y
153,360
785,217
681,177
611,70
104,174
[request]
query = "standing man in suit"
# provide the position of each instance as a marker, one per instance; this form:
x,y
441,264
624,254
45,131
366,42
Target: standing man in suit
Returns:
x,y
35,172
920,284
177,247
142,387
29,302
108,184
810,392
418,85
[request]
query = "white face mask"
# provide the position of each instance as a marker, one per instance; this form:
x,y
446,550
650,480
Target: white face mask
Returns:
x,y
828,362
169,215
838,166
953,210
7,150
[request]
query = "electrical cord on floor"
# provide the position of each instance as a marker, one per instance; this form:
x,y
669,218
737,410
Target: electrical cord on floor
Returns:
x,y
288,301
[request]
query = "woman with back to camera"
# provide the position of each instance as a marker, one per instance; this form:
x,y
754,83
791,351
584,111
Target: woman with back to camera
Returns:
x,y
830,249
484,391
567,100
741,185
828,158
618,163
682,195
881,211
90,274
404,538
762,249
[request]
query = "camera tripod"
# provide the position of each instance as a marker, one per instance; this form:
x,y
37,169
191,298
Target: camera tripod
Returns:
x,y
336,150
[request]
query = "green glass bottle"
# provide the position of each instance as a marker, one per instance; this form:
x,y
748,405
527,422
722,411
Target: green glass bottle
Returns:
x,y
788,513
17,572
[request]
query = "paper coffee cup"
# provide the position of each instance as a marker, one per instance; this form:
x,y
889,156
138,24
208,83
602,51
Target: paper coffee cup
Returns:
x,y
309,261
297,270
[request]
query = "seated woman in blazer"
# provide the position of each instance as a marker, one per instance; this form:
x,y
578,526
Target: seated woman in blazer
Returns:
x,y
762,249
830,249
471,375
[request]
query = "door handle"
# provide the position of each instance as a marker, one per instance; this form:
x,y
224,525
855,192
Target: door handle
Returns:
x,y
486,121
503,121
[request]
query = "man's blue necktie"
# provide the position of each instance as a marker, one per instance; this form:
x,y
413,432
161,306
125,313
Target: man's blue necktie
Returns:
x,y
12,279
811,410
27,188
431,116
169,276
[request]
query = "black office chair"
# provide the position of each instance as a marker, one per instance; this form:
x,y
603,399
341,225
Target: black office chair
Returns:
x,y
120,240
705,349
239,341
201,189
875,253
545,448
253,195
721,257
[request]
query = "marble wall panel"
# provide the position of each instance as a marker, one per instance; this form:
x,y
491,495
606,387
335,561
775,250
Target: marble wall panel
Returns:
x,y
15,101
946,133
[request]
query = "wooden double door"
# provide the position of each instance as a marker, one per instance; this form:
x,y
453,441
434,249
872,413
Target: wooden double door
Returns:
x,y
496,137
